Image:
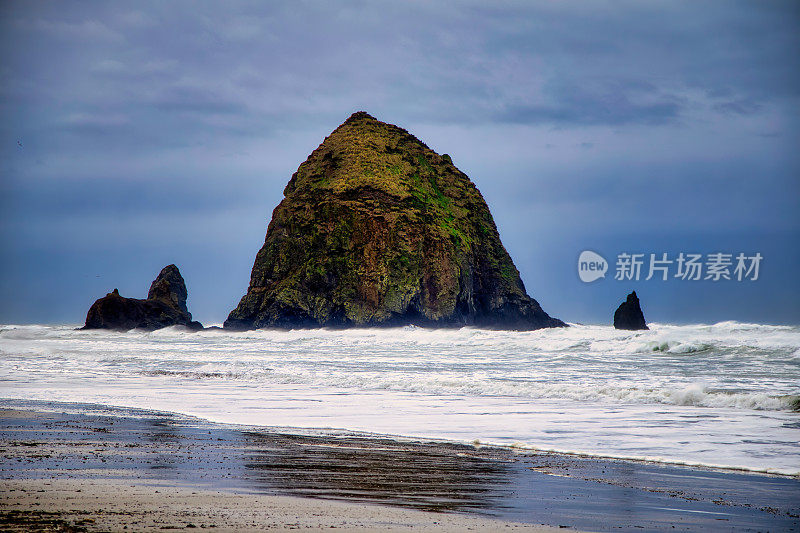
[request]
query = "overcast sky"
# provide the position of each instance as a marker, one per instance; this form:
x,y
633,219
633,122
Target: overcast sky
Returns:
x,y
138,134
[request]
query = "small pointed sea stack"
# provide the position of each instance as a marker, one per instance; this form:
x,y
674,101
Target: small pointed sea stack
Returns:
x,y
165,306
629,314
375,228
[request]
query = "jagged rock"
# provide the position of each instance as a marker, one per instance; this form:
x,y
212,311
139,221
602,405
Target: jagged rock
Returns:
x,y
165,306
629,314
170,288
378,229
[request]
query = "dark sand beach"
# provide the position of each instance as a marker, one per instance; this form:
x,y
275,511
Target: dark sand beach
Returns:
x,y
140,470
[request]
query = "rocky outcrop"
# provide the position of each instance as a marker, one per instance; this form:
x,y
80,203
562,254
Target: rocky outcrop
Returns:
x,y
375,228
165,306
629,314
170,288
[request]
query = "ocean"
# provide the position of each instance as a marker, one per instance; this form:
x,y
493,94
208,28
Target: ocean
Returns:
x,y
722,395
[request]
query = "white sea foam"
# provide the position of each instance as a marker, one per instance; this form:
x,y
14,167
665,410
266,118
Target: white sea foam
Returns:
x,y
716,394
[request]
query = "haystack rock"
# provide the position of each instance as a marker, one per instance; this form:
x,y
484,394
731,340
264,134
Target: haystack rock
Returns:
x,y
375,228
629,314
165,306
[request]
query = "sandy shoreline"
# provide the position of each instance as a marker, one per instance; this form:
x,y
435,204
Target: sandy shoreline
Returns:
x,y
114,505
96,472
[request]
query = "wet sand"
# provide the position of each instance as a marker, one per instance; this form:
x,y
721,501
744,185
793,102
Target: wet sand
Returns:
x,y
159,471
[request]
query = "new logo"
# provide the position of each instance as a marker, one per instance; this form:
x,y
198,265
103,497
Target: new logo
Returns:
x,y
591,266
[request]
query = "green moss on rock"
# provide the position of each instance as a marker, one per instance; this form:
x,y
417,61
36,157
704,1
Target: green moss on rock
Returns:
x,y
378,229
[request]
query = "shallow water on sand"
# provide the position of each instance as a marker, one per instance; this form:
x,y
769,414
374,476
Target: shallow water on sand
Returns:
x,y
719,395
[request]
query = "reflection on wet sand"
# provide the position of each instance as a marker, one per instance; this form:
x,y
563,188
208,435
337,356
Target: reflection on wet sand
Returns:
x,y
423,476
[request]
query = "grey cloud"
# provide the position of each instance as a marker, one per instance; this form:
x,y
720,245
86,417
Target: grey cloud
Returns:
x,y
580,107
739,107
95,120
196,99
82,30
454,63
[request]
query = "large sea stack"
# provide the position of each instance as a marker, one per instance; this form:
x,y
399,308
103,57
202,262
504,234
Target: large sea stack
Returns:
x,y
375,228
629,314
165,306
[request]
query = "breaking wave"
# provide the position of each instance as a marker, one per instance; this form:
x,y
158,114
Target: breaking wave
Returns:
x,y
695,394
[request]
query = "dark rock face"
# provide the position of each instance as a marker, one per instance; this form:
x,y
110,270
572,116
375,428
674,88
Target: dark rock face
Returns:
x,y
169,287
629,314
375,228
165,306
